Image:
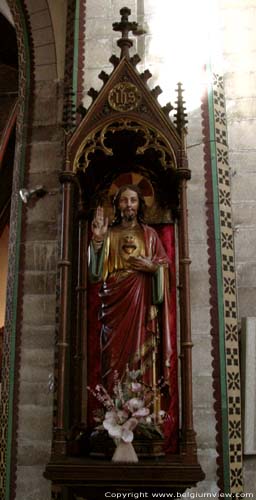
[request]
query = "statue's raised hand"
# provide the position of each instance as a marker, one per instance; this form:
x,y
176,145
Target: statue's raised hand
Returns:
x,y
99,225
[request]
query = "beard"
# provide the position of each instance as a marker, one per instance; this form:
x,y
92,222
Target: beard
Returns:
x,y
129,215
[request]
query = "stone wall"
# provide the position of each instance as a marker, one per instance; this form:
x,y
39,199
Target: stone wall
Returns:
x,y
39,251
39,302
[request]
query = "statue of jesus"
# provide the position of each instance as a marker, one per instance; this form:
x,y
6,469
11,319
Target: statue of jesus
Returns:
x,y
130,260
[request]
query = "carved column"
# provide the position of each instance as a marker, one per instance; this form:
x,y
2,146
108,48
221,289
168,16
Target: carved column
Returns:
x,y
67,179
188,446
80,355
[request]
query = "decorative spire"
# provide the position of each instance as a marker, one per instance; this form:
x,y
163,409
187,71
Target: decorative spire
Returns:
x,y
69,110
125,43
180,115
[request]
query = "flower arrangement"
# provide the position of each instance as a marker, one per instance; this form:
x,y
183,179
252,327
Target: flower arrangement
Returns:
x,y
127,409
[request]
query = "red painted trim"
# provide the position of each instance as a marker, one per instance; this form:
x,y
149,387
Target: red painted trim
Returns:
x,y
20,15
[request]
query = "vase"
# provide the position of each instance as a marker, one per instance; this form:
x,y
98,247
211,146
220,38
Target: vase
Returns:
x,y
124,452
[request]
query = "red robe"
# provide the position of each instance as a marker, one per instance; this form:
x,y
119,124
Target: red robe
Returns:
x,y
129,328
129,321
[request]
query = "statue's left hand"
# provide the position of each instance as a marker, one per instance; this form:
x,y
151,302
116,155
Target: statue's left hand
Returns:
x,y
143,264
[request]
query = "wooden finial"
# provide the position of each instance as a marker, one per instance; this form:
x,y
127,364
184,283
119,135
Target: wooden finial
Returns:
x,y
125,43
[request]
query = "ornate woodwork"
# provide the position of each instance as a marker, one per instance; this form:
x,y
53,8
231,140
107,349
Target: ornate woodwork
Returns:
x,y
124,131
1,350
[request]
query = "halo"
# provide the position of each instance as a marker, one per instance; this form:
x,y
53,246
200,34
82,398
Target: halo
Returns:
x,y
133,178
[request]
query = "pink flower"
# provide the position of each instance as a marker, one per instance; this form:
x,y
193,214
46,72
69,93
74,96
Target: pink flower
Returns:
x,y
122,416
134,404
111,416
142,412
136,387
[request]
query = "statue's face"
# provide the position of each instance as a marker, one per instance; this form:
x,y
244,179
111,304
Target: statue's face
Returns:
x,y
129,204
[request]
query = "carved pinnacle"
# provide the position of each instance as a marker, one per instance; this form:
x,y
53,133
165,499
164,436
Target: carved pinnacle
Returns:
x,y
180,115
114,60
167,108
69,110
81,110
103,76
146,75
93,93
135,60
156,91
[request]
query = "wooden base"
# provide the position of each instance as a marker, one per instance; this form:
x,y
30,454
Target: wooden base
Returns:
x,y
92,478
102,446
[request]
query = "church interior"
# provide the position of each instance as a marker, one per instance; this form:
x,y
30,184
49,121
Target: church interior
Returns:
x,y
104,104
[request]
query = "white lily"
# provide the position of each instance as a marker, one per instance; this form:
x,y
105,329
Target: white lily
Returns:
x,y
114,430
142,412
134,404
127,436
130,424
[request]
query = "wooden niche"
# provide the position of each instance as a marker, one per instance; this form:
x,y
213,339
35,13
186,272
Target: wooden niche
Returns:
x,y
125,137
